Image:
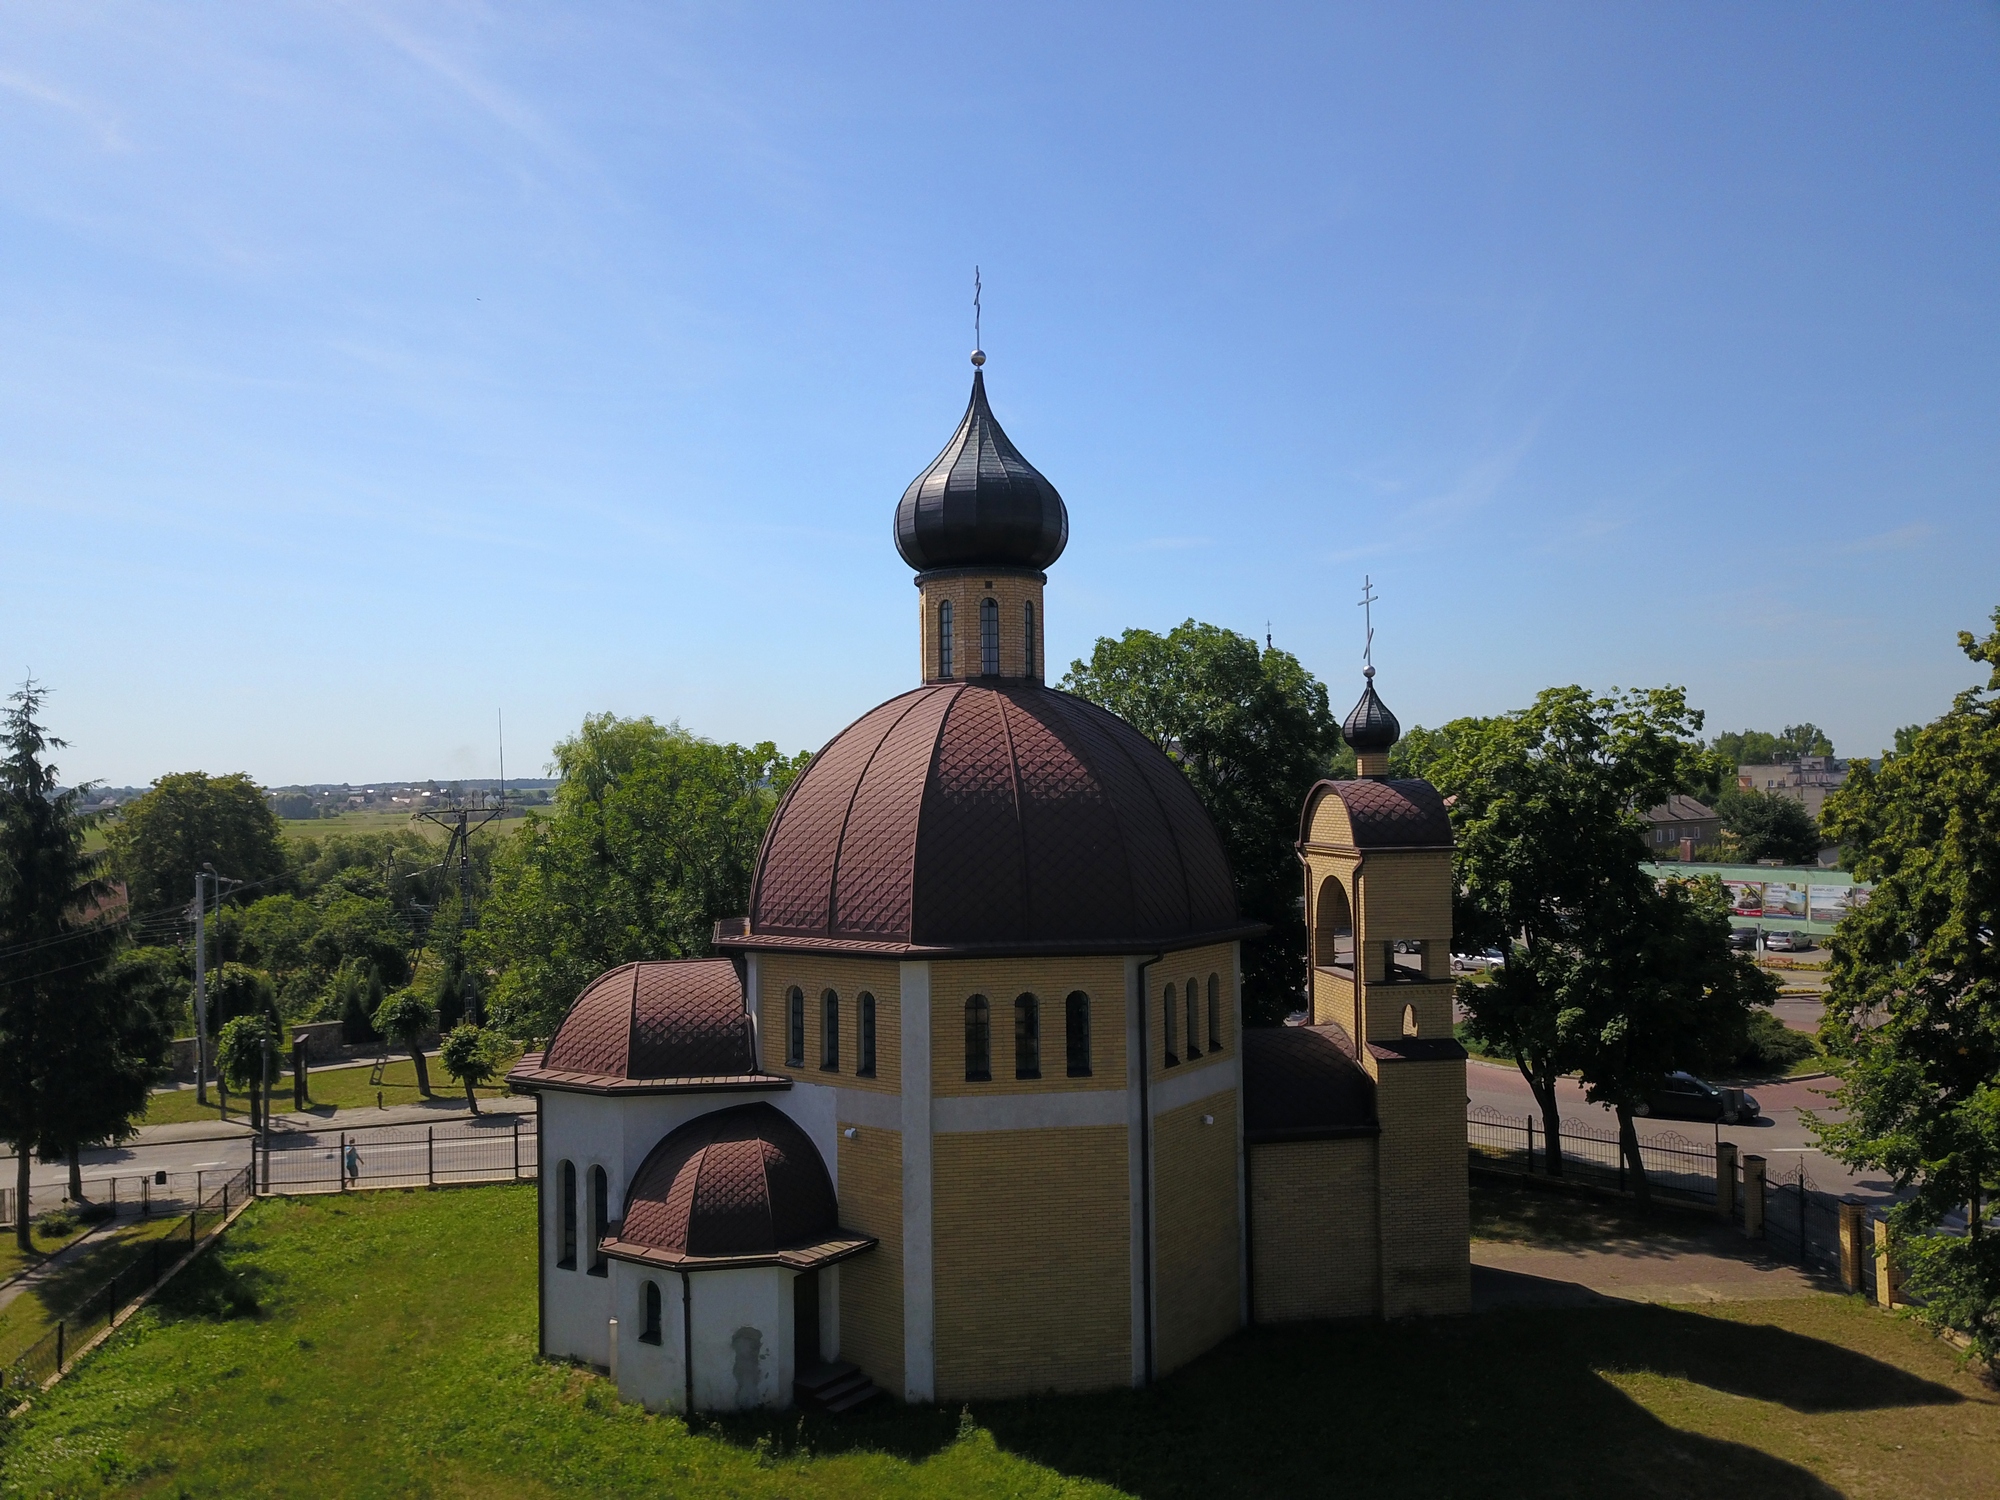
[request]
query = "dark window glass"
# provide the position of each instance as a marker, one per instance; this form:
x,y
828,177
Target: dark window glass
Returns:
x,y
829,1032
978,1039
865,1059
600,1218
1028,618
989,637
649,1315
1167,1027
1076,1033
1193,1019
1214,1014
567,1189
1027,1037
944,638
795,1027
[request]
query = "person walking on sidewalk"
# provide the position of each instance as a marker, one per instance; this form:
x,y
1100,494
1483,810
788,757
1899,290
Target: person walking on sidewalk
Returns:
x,y
353,1164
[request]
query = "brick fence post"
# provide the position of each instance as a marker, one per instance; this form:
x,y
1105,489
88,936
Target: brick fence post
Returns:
x,y
1725,1179
1753,1197
1888,1275
1851,1233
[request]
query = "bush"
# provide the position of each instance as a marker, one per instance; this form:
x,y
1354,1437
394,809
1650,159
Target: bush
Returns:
x,y
1773,1047
56,1224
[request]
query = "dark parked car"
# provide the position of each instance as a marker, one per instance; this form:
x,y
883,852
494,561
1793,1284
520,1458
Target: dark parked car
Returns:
x,y
1743,937
1686,1097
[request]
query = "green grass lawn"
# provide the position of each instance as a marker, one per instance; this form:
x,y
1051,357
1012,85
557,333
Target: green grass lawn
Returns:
x,y
34,1313
12,1261
383,1345
333,1090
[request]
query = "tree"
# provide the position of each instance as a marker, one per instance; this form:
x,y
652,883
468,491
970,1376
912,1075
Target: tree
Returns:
x,y
1252,730
1757,747
1545,810
241,1053
161,838
406,1018
1761,825
1912,1021
159,979
654,837
55,948
472,1055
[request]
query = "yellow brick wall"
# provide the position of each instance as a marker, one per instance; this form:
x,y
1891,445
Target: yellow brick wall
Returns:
x,y
1330,822
1313,1249
1408,895
1050,980
1031,1261
846,977
1432,1003
1218,959
1197,1285
1010,591
871,1285
1426,1221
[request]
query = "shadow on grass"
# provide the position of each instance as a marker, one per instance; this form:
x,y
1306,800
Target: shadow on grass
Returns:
x,y
216,1288
1504,1403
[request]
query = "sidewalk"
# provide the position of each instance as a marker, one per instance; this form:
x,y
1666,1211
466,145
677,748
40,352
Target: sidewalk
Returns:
x,y
33,1276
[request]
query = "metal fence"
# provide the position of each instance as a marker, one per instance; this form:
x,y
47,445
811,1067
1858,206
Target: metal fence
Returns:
x,y
1675,1166
141,1267
493,1148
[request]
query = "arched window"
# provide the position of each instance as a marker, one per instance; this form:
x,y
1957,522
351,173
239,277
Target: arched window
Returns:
x,y
1409,1020
1193,1019
1167,1028
600,1218
1333,926
1028,621
649,1314
566,1190
829,1032
1214,1014
864,1063
989,637
1027,1037
1076,1033
795,1027
944,638
978,1039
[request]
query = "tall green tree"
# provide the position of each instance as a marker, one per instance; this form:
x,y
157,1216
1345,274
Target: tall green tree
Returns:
x,y
1252,730
242,1054
162,837
474,1056
1759,747
1912,1020
55,946
406,1018
1761,825
654,837
1605,975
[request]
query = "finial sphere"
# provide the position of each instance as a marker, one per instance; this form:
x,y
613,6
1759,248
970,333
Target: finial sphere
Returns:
x,y
978,358
1369,673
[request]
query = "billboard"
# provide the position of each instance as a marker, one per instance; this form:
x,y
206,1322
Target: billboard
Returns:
x,y
1784,898
1746,897
1829,903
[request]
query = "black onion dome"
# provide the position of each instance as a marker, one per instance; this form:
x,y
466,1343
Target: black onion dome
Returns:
x,y
1371,727
980,504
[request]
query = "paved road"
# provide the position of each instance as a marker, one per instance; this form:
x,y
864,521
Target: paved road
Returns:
x,y
1779,1136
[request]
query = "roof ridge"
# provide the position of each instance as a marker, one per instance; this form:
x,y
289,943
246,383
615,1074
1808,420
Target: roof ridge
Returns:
x,y
1173,835
919,696
1111,804
1020,820
957,692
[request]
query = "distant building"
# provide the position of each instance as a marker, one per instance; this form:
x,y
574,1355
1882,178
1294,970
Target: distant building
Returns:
x,y
1807,780
1681,824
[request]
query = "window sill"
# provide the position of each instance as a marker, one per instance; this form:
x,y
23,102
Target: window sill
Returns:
x,y
864,1072
1036,1074
598,1271
650,1338
978,1077
1079,1073
566,1265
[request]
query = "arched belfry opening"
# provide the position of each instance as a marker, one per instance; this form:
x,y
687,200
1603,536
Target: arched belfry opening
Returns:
x,y
1333,926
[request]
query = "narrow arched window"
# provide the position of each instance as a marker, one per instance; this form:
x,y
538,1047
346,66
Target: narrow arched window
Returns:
x,y
1167,1027
566,1190
1027,1037
1076,1033
829,1032
600,1218
989,637
1409,1020
795,1027
978,1039
1193,1019
864,1062
1028,621
649,1314
944,638
1214,1013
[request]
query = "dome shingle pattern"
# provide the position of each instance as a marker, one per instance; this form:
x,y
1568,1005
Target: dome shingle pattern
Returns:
x,y
1303,1081
736,1183
1369,726
1385,814
671,1019
991,816
980,504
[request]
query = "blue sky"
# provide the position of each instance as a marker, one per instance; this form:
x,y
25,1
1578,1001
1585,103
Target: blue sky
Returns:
x,y
367,369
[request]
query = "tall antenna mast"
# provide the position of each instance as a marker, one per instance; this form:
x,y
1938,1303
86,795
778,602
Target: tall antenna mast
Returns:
x,y
1367,601
500,717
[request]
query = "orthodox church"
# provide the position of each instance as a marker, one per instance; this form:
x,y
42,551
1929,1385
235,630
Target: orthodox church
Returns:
x,y
965,1107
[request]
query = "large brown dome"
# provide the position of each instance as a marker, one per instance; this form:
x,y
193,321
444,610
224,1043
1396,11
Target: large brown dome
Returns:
x,y
995,816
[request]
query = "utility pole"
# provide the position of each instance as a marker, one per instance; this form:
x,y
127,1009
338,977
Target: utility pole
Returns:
x,y
460,821
200,988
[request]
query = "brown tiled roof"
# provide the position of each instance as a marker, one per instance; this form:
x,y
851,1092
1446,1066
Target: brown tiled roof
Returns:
x,y
1679,809
740,1186
1417,1049
1385,814
1303,1082
994,816
679,1023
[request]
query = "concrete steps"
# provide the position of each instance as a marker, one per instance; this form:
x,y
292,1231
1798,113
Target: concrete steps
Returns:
x,y
835,1389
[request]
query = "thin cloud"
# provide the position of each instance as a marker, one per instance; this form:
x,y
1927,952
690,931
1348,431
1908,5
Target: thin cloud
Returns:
x,y
1900,540
102,124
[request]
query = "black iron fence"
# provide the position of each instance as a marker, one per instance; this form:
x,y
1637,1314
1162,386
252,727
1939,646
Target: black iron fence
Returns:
x,y
139,1267
492,1148
1675,1166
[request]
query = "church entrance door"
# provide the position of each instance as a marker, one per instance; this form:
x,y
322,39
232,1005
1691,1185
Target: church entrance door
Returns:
x,y
805,1321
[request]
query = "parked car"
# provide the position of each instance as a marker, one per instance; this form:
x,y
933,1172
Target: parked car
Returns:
x,y
1743,937
1686,1097
1779,942
1472,963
